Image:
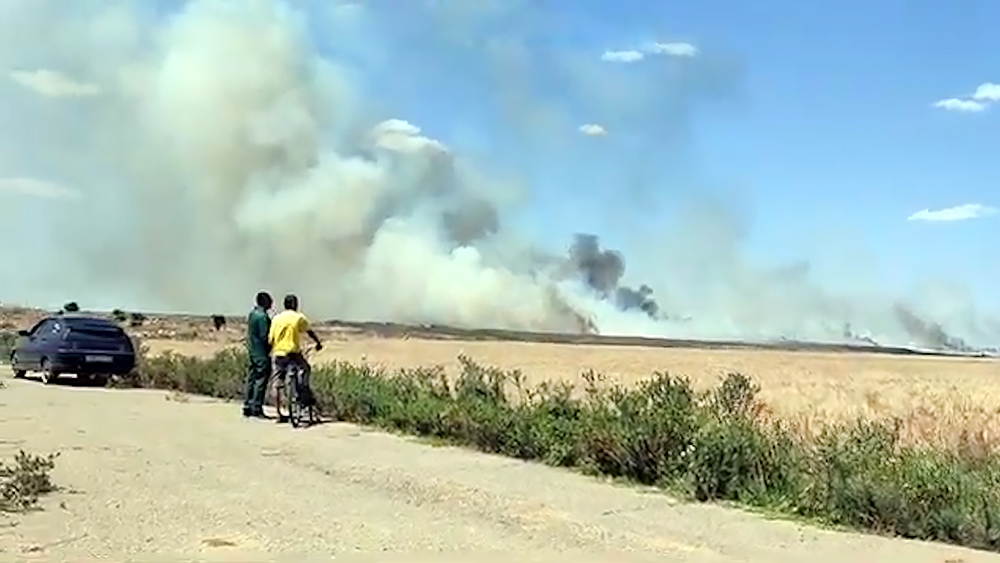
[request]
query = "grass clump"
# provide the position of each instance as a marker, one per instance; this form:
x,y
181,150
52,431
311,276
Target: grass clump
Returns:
x,y
7,340
708,446
136,319
24,481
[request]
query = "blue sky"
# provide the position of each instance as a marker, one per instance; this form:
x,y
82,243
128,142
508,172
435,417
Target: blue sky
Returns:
x,y
839,132
828,137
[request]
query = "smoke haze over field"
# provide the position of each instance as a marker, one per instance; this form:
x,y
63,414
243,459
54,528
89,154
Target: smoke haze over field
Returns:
x,y
232,146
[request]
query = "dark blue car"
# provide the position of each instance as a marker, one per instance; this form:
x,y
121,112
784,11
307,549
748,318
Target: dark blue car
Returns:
x,y
92,348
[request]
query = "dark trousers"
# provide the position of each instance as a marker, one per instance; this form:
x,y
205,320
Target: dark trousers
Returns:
x,y
258,374
282,364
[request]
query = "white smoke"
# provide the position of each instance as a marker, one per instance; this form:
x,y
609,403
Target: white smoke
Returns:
x,y
227,138
221,149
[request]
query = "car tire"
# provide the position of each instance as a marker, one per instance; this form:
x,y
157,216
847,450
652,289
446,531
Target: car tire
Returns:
x,y
95,380
48,374
18,373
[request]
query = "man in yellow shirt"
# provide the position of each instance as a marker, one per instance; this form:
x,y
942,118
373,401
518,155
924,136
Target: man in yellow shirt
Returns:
x,y
285,337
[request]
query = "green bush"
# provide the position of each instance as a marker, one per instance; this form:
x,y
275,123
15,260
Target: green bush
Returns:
x,y
24,481
709,446
136,319
7,340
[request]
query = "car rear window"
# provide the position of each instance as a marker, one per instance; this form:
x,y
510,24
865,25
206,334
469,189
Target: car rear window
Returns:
x,y
96,330
99,331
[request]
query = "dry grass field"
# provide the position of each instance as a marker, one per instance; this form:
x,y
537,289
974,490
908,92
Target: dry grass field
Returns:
x,y
940,400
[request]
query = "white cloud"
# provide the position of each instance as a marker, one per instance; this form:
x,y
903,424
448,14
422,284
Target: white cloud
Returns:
x,y
987,92
53,84
958,104
34,187
593,130
957,213
673,49
629,56
402,136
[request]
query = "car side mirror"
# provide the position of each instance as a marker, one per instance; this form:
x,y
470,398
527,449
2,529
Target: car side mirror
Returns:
x,y
23,333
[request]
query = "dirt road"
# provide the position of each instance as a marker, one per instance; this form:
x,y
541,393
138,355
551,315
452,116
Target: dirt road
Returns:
x,y
185,478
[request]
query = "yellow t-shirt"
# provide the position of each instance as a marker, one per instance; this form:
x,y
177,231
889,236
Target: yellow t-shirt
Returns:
x,y
286,332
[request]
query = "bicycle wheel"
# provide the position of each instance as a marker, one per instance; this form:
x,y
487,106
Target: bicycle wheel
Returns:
x,y
295,409
281,396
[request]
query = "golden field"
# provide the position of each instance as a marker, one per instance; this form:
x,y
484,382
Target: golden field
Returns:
x,y
939,400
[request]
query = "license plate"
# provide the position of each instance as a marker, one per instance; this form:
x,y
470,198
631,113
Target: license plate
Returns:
x,y
99,359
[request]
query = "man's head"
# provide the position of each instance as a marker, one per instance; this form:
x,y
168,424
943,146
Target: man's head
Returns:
x,y
291,302
264,300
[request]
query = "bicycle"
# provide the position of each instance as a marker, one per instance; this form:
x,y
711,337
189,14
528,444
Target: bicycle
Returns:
x,y
288,388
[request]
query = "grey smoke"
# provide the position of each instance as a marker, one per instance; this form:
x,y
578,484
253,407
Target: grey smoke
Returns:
x,y
929,334
601,269
638,299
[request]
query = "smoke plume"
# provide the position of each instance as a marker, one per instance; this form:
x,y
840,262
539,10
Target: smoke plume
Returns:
x,y
225,146
602,270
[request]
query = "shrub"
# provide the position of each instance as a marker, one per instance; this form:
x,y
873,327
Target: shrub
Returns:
x,y
7,341
119,316
219,376
710,446
24,481
136,319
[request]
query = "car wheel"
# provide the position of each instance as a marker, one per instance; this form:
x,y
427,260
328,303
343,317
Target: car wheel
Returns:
x,y
48,375
18,373
95,380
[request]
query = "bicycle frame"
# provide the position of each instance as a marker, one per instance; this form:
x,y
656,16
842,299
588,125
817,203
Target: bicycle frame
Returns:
x,y
287,388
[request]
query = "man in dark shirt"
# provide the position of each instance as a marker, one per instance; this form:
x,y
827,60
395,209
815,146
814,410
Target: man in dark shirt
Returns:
x,y
259,351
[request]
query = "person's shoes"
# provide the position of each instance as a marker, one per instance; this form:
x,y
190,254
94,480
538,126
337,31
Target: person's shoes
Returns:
x,y
250,413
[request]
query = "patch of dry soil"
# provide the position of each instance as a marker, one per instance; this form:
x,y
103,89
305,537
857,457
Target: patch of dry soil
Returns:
x,y
148,472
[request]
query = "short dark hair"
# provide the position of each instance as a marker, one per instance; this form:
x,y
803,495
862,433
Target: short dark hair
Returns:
x,y
264,299
291,302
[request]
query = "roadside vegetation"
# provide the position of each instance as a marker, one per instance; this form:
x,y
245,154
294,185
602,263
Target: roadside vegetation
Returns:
x,y
24,480
7,339
27,477
708,446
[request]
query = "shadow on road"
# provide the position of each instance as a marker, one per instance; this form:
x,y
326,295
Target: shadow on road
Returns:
x,y
65,381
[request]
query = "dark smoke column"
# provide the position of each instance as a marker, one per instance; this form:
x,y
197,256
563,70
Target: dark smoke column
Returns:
x,y
602,270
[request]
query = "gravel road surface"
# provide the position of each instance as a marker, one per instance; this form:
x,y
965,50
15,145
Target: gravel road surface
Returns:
x,y
155,476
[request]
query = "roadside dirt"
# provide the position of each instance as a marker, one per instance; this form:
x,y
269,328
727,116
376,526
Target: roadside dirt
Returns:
x,y
186,478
